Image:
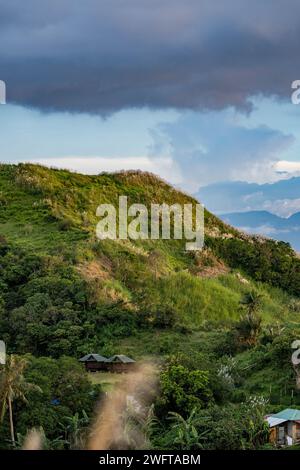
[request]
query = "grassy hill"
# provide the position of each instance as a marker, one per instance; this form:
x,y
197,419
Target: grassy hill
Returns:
x,y
65,293
39,204
51,215
53,212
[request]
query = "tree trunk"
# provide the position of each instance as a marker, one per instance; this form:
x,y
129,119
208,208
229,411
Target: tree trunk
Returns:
x,y
11,423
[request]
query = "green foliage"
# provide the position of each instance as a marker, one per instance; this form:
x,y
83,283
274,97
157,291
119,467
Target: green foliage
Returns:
x,y
252,302
248,329
65,390
233,427
184,433
182,389
13,386
57,443
264,260
75,430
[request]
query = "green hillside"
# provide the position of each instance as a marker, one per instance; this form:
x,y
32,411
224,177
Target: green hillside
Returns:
x,y
65,293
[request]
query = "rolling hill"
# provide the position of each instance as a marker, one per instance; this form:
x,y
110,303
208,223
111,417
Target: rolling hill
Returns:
x,y
47,225
65,293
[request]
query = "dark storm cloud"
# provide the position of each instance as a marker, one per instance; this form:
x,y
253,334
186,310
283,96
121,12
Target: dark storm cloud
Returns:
x,y
106,55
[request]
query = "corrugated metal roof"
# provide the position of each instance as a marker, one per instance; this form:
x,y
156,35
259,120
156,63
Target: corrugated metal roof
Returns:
x,y
93,358
288,414
274,421
120,358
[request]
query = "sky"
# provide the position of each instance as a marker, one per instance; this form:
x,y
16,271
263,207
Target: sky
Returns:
x,y
198,92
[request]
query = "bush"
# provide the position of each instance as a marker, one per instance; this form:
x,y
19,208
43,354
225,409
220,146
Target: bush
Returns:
x,y
182,390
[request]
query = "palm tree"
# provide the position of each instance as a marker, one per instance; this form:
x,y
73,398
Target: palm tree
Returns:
x,y
252,302
13,385
249,326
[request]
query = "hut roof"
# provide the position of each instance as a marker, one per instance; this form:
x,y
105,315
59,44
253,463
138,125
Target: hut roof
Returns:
x,y
93,358
285,415
120,358
288,414
274,421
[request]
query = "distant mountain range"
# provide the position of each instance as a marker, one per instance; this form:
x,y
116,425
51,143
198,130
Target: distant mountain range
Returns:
x,y
265,223
252,207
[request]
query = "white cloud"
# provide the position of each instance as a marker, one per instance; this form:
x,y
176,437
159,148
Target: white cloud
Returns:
x,y
287,167
281,207
96,165
209,147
